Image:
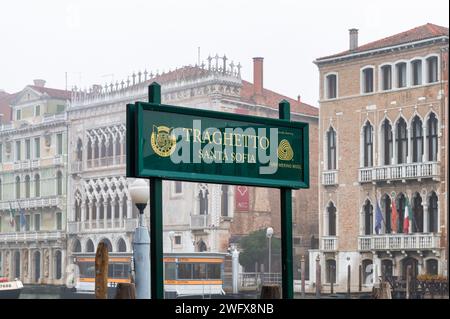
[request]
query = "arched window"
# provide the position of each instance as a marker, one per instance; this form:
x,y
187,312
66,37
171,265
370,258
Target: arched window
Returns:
x,y
368,145
78,200
401,202
432,138
386,207
76,246
432,267
330,275
117,146
125,206
417,208
89,149
90,246
400,68
416,75
432,67
224,200
203,199
201,245
331,149
79,152
367,270
121,246
103,148
17,187
17,264
433,213
386,130
367,80
331,211
27,186
59,183
37,185
386,77
402,141
386,268
110,147
58,264
368,218
417,140
331,86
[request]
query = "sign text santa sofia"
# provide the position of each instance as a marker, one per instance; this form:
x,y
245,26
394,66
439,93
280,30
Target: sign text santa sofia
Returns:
x,y
181,143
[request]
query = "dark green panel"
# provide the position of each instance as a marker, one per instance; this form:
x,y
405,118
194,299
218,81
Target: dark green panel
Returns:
x,y
203,143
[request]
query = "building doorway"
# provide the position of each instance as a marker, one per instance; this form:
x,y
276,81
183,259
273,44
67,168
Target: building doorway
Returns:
x,y
409,261
37,266
17,264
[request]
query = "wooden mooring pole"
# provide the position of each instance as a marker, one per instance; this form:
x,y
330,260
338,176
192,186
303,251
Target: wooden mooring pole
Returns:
x,y
101,272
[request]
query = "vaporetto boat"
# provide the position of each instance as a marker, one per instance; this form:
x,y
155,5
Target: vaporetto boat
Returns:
x,y
10,289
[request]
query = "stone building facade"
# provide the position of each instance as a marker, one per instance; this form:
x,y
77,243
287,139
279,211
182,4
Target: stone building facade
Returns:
x,y
33,164
383,138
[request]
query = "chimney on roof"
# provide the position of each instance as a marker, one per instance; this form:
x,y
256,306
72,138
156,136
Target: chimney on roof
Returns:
x,y
258,76
299,98
39,82
353,39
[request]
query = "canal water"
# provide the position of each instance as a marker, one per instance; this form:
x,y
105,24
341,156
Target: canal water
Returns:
x,y
40,292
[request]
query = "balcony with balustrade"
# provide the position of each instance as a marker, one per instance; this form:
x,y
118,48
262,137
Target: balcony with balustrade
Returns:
x,y
200,222
392,242
32,236
101,225
329,243
104,162
330,178
31,203
400,172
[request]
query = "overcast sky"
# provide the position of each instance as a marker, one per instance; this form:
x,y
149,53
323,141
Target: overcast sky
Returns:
x,y
97,41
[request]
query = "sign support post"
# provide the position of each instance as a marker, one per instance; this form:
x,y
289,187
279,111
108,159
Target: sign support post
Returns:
x,y
156,218
286,223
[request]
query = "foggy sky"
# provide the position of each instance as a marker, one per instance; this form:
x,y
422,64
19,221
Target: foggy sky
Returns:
x,y
99,41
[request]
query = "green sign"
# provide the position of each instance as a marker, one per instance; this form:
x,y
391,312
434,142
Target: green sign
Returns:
x,y
181,143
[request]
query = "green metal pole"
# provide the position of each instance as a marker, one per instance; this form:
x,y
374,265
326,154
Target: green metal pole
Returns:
x,y
156,219
286,223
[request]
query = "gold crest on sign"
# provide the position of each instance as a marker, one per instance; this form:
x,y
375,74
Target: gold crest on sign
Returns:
x,y
163,141
285,151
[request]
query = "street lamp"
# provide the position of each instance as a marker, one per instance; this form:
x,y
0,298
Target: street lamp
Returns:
x,y
269,233
140,194
171,235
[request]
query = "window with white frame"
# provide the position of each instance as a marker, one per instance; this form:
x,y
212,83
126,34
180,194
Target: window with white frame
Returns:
x,y
368,218
37,110
386,77
417,140
37,185
27,149
37,222
18,151
27,186
59,144
331,149
18,114
433,213
331,214
17,187
367,80
432,138
331,86
416,66
432,69
59,183
37,147
58,221
400,69
368,145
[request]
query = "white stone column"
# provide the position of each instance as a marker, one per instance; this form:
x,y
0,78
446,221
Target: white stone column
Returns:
x,y
63,264
121,213
394,144
30,265
326,221
41,266
230,201
114,151
83,211
408,143
129,209
112,205
90,214
50,265
105,214
97,214
361,222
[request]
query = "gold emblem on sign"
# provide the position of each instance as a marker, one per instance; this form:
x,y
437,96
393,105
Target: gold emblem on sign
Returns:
x,y
162,140
285,151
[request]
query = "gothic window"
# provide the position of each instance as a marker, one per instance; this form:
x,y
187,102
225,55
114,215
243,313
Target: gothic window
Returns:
x,y
90,246
331,149
368,218
386,77
17,187
59,183
367,270
79,153
387,139
431,267
203,198
27,186
224,200
417,140
77,206
401,202
121,246
402,141
331,211
201,245
37,185
76,246
387,208
58,262
417,208
432,138
89,149
386,268
433,213
416,66
368,145
432,66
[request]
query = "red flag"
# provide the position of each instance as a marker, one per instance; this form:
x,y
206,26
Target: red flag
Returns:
x,y
394,217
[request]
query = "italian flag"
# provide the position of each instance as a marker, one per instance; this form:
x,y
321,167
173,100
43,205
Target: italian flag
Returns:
x,y
407,216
